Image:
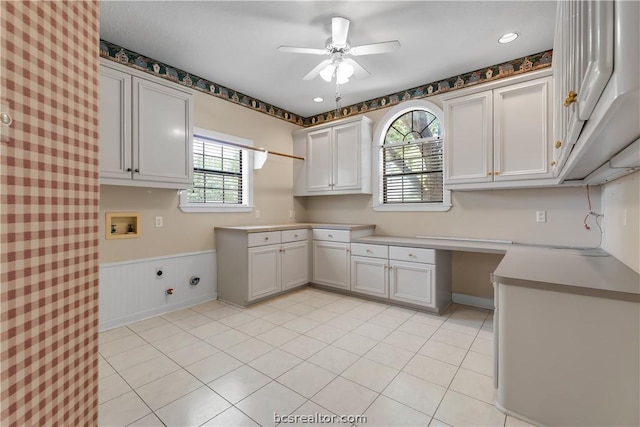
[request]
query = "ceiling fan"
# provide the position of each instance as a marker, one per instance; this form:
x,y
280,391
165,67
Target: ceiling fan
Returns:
x,y
340,65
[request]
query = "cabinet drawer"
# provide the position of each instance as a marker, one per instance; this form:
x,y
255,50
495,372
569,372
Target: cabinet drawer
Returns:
x,y
400,253
266,238
373,251
331,235
294,235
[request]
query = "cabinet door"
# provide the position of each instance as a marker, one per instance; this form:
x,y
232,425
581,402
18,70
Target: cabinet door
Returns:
x,y
115,124
468,138
346,157
295,264
412,282
162,134
582,64
264,271
331,264
522,131
369,276
319,177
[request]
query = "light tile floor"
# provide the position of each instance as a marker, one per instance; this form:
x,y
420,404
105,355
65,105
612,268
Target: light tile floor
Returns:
x,y
308,352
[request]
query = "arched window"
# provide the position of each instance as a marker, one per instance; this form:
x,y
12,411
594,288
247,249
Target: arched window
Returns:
x,y
410,159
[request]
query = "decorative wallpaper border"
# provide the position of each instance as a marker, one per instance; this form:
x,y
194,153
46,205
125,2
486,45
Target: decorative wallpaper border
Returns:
x,y
495,72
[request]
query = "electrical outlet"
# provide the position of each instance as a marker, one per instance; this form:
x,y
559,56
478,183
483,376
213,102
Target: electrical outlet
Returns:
x,y
159,221
541,216
257,214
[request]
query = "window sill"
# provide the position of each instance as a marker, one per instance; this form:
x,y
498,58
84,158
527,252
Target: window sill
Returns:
x,y
408,207
212,209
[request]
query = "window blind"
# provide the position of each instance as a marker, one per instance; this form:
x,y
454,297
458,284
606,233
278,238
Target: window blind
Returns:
x,y
412,171
217,172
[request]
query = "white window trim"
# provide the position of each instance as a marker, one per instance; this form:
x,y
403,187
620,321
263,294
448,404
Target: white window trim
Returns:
x,y
378,140
247,183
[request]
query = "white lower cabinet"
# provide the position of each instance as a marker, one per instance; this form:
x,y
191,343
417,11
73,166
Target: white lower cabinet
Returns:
x,y
331,264
252,266
295,264
332,256
369,269
403,274
265,265
412,282
369,276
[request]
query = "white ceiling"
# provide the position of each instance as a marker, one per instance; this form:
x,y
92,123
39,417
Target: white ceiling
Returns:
x,y
233,43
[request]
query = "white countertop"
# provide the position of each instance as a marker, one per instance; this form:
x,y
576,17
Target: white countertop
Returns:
x,y
568,271
565,269
295,226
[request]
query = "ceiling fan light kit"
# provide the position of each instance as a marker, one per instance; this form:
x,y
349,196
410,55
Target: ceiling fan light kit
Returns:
x,y
340,69
341,66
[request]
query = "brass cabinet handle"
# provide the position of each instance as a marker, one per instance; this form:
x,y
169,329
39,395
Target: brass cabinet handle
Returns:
x,y
553,163
489,173
558,144
496,173
570,99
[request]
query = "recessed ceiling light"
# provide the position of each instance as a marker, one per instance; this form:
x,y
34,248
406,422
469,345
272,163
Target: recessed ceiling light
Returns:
x,y
318,99
508,38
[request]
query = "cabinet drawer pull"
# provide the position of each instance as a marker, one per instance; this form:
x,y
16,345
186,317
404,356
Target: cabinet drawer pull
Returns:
x,y
558,144
129,169
330,236
369,251
412,255
489,173
266,238
295,235
571,98
553,163
496,173
136,170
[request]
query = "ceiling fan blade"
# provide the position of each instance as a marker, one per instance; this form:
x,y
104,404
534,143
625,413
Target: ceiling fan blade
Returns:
x,y
339,31
313,73
308,50
374,48
358,70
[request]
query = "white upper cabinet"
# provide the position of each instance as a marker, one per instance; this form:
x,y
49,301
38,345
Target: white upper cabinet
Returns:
x,y
337,158
146,131
162,133
500,137
522,131
115,124
468,144
583,63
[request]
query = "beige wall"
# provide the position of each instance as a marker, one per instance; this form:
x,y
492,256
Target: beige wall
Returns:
x,y
500,214
621,198
190,232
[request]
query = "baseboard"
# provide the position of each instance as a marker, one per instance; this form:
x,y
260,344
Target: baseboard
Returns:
x,y
136,317
473,301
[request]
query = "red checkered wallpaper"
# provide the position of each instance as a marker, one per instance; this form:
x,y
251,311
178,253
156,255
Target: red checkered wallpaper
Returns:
x,y
49,218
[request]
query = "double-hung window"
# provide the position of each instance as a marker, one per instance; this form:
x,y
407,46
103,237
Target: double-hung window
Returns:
x,y
222,178
410,159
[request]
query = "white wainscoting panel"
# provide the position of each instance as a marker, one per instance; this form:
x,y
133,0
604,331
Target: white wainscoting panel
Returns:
x,y
130,290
